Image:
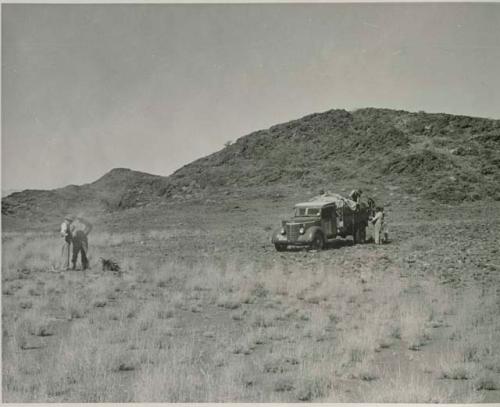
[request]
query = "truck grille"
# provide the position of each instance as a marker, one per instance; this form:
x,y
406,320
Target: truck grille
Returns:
x,y
292,232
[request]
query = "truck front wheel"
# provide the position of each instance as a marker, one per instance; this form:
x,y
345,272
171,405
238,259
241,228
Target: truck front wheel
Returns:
x,y
280,247
318,242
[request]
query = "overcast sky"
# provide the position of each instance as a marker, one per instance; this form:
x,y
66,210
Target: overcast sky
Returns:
x,y
87,88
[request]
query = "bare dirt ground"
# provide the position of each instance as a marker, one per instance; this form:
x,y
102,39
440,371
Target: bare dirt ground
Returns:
x,y
207,310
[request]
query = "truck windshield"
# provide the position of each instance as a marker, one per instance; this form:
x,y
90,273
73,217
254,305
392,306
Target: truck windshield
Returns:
x,y
307,211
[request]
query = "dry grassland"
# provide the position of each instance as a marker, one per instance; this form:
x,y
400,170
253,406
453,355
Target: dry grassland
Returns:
x,y
199,322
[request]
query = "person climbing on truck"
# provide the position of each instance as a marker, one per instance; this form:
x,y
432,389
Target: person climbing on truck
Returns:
x,y
355,195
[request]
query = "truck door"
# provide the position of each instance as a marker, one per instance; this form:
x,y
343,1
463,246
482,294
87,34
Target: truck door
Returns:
x,y
328,223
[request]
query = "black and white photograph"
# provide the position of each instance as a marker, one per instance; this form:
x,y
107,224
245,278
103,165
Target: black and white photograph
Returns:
x,y
250,202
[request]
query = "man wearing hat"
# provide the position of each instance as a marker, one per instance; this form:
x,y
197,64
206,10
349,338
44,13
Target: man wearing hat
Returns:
x,y
67,236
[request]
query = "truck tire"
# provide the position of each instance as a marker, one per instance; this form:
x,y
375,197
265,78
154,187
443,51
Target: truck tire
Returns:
x,y
318,242
280,247
356,236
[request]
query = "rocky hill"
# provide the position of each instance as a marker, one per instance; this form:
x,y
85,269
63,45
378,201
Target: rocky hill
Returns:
x,y
441,157
438,156
120,188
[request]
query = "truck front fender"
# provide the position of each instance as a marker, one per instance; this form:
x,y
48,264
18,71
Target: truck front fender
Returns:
x,y
277,237
311,232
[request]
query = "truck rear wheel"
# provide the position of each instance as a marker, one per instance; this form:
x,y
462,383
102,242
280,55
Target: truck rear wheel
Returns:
x,y
318,242
356,236
363,235
354,241
280,247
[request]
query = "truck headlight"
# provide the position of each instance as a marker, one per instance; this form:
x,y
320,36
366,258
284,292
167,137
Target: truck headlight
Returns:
x,y
302,230
282,231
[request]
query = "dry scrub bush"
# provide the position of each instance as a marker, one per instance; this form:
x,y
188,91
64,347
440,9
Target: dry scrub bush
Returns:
x,y
205,277
314,375
228,287
75,305
35,323
19,369
148,315
168,273
35,372
95,358
413,387
313,386
414,316
452,364
456,370
442,299
245,345
183,373
367,327
476,328
90,366
319,325
486,381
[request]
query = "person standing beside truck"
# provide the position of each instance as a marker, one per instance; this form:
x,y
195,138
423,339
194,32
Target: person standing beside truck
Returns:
x,y
378,225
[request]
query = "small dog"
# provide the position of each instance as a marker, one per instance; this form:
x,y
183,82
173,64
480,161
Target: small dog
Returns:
x,y
110,265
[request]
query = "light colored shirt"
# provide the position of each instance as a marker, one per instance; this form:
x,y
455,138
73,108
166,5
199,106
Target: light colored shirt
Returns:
x,y
379,216
65,228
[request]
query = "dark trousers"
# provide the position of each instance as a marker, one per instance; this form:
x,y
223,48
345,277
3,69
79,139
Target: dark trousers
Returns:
x,y
80,246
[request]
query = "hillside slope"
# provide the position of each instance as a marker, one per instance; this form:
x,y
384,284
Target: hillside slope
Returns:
x,y
438,156
442,157
120,188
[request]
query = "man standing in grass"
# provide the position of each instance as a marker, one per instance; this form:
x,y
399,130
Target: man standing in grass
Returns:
x,y
80,229
66,235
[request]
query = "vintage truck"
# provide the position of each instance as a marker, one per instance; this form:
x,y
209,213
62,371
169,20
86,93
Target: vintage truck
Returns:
x,y
323,218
